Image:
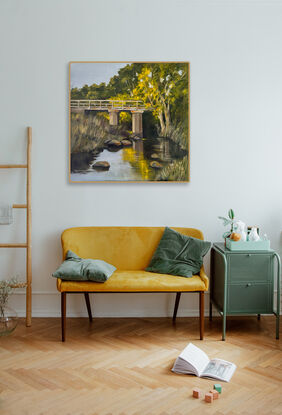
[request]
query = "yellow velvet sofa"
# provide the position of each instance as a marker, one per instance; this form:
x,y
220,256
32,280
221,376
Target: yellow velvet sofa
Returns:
x,y
130,250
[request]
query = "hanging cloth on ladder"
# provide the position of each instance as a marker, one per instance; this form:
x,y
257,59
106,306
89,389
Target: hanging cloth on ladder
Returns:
x,y
6,214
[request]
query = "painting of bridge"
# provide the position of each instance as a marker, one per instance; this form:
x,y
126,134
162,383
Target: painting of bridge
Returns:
x,y
129,121
113,107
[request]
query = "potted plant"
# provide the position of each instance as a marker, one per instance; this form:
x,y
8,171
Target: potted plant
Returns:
x,y
228,221
8,316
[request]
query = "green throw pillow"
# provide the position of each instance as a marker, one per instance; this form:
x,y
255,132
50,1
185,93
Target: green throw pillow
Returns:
x,y
178,254
75,268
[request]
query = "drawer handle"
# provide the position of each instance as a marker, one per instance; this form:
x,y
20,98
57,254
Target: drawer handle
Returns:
x,y
248,285
248,255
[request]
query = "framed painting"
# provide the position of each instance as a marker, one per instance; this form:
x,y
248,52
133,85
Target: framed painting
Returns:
x,y
129,122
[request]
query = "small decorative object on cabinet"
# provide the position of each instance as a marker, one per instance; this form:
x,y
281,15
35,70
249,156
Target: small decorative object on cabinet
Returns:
x,y
240,228
242,282
253,235
228,221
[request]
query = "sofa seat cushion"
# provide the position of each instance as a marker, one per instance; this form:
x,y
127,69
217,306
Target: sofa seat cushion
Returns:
x,y
138,281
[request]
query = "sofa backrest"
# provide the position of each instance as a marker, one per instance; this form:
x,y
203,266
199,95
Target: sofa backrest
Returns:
x,y
127,248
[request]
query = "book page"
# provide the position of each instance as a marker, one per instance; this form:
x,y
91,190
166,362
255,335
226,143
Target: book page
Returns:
x,y
182,366
219,369
196,357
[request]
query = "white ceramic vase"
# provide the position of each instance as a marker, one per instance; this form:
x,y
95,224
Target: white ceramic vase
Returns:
x,y
253,235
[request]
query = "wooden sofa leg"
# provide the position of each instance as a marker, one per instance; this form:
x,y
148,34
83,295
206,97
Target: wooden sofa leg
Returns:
x,y
63,314
86,295
202,313
177,299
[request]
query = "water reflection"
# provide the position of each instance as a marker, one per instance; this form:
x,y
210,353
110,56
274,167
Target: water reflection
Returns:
x,y
128,163
135,156
80,161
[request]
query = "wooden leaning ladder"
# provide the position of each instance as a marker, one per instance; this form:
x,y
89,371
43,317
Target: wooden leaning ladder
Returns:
x,y
26,206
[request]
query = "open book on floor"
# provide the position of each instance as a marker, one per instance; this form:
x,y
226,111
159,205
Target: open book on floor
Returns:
x,y
193,361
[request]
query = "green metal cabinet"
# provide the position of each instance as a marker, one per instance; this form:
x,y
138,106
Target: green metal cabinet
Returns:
x,y
242,282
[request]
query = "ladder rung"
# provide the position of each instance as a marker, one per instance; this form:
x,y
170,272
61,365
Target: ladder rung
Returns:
x,y
13,245
13,166
19,206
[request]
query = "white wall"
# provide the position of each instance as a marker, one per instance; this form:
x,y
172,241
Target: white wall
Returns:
x,y
234,48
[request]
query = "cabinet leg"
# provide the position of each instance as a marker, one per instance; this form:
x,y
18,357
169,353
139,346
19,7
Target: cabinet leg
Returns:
x,y
278,294
223,326
210,315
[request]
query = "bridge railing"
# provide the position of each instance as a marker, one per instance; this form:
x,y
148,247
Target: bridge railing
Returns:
x,y
107,104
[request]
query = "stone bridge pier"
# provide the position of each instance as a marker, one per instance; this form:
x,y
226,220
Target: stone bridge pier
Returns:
x,y
113,117
137,121
137,124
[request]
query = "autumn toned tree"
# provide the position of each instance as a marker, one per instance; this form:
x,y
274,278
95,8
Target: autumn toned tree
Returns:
x,y
158,87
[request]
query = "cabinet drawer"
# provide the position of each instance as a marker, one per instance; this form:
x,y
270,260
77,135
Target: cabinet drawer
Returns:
x,y
250,298
250,267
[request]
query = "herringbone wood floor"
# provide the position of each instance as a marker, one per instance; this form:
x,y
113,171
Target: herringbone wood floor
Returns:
x,y
122,367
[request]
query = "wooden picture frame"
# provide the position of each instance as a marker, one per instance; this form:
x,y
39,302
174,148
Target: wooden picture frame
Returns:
x,y
129,122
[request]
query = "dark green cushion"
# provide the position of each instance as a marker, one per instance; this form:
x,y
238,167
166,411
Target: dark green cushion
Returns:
x,y
75,268
178,254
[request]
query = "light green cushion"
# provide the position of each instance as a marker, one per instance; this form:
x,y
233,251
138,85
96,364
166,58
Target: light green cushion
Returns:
x,y
178,254
75,268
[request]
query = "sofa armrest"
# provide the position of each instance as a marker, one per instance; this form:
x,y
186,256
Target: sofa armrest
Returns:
x,y
204,277
59,282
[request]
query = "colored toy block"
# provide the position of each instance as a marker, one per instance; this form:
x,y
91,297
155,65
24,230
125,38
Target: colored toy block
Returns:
x,y
196,393
217,387
215,394
209,397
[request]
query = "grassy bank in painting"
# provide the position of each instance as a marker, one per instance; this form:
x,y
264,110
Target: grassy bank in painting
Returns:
x,y
177,170
89,132
163,88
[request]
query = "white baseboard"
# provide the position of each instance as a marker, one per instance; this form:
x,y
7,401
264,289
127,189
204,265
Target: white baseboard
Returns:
x,y
47,304
47,313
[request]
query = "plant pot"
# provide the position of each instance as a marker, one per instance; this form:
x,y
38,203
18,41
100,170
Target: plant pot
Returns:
x,y
8,320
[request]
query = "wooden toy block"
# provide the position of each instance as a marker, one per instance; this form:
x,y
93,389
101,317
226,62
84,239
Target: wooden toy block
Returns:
x,y
215,394
196,393
217,387
209,397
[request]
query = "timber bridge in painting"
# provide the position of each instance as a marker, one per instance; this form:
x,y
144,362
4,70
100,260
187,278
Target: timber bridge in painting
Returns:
x,y
113,107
